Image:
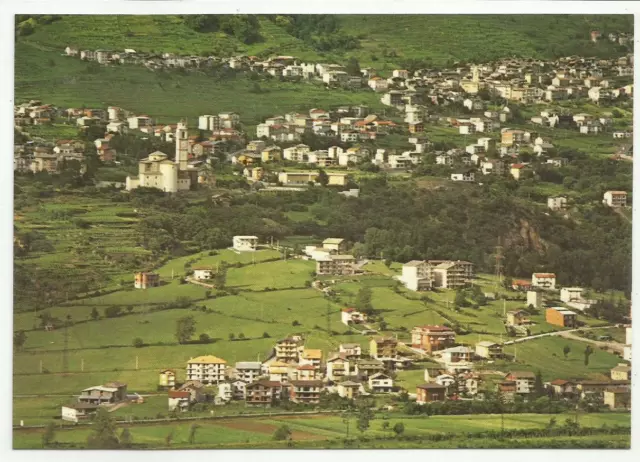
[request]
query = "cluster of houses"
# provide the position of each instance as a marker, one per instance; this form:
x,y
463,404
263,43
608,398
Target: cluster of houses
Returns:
x,y
350,124
331,258
286,67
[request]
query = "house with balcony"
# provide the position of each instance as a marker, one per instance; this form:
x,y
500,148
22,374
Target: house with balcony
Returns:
x,y
248,371
417,275
383,347
430,392
380,383
264,393
489,350
524,381
544,280
351,350
336,265
289,350
350,389
305,391
615,198
432,338
338,366
452,274
207,369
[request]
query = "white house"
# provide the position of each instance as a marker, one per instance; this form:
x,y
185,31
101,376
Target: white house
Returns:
x,y
571,294
615,198
544,280
380,383
202,273
245,243
247,371
465,176
351,316
557,203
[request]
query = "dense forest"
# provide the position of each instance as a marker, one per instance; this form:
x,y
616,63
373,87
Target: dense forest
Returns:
x,y
593,248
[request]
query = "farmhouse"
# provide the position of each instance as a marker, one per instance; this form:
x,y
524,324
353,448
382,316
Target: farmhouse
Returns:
x,y
621,372
109,393
145,280
203,273
245,243
617,397
179,400
351,316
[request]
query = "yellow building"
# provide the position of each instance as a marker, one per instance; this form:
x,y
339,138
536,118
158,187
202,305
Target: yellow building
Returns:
x,y
167,378
207,369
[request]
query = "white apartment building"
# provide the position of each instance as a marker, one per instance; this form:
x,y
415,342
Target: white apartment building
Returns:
x,y
557,203
248,371
245,243
615,198
207,369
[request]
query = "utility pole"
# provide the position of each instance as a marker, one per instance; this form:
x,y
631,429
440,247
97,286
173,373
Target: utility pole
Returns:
x,y
136,362
65,351
328,316
172,275
499,257
504,307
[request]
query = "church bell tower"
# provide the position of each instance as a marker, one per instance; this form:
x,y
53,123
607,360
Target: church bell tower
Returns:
x,y
182,145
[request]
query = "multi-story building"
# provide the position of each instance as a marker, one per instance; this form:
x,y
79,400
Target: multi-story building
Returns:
x,y
245,243
489,350
305,391
263,393
615,198
289,349
560,317
351,350
451,275
432,338
207,369
248,371
524,381
544,280
417,275
144,280
338,366
557,203
383,347
336,265
167,378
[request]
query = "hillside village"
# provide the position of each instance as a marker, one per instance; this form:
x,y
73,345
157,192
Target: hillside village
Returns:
x,y
215,262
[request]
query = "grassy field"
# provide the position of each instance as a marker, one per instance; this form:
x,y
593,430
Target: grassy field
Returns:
x,y
65,82
258,431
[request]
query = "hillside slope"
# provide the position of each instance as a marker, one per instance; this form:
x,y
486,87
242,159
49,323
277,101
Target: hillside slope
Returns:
x,y
383,39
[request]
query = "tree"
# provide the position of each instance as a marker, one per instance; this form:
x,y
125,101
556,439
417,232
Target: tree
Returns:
x,y
588,351
204,338
265,335
19,339
94,314
398,428
363,300
386,425
137,342
185,328
129,309
364,417
241,336
323,178
220,279
282,433
566,350
353,66
460,299
507,282
112,311
103,435
538,385
48,435
126,440
169,438
232,336
192,433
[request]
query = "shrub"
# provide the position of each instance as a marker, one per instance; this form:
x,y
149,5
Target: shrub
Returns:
x,y
137,342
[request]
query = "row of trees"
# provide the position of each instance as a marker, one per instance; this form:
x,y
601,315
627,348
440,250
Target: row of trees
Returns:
x,y
244,27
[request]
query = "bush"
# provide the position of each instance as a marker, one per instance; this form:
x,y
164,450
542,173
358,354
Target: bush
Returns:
x,y
204,338
266,335
137,342
295,323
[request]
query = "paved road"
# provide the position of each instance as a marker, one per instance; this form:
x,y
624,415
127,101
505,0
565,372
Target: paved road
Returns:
x,y
552,334
615,346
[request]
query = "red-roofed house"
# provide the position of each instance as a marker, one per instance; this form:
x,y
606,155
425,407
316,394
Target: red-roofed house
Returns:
x,y
432,338
179,400
516,170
